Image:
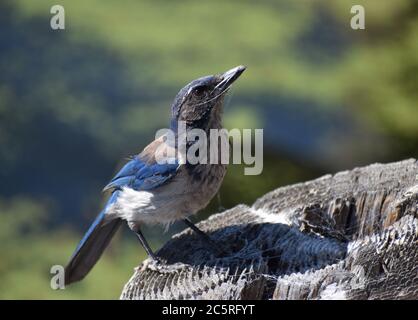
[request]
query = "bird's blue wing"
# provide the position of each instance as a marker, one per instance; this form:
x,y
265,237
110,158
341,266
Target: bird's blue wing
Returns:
x,y
140,175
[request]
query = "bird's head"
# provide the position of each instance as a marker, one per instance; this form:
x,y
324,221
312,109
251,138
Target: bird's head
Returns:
x,y
199,104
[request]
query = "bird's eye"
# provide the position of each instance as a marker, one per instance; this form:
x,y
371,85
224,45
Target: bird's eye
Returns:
x,y
199,91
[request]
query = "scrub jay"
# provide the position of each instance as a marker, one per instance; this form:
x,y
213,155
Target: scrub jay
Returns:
x,y
148,192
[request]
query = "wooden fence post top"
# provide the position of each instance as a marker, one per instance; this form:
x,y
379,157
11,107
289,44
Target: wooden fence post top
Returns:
x,y
352,235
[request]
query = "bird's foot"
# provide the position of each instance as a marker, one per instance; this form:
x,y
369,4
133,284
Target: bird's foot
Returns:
x,y
161,266
153,263
215,248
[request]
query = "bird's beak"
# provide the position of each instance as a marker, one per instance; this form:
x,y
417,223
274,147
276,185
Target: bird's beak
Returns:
x,y
229,77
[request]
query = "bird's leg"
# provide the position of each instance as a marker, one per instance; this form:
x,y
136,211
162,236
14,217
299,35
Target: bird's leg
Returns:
x,y
203,235
145,244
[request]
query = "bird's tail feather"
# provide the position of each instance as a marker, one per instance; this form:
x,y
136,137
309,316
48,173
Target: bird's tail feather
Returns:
x,y
91,247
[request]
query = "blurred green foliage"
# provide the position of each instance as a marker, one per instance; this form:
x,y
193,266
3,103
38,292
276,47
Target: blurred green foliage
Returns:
x,y
29,251
75,102
375,71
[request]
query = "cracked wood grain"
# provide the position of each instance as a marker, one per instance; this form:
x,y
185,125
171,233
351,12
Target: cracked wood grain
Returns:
x,y
352,235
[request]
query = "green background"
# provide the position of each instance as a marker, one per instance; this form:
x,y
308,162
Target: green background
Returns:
x,y
75,103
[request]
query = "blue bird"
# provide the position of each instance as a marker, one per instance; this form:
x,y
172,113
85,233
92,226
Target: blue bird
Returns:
x,y
146,191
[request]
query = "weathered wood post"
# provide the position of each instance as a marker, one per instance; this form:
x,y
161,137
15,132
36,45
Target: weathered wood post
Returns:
x,y
352,235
